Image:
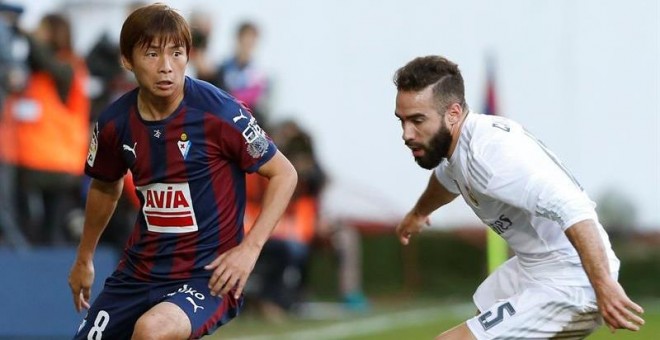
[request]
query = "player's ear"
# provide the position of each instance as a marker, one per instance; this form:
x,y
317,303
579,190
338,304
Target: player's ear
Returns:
x,y
453,114
126,63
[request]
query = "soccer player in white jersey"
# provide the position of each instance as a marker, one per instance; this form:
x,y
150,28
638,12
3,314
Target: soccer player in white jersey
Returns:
x,y
563,276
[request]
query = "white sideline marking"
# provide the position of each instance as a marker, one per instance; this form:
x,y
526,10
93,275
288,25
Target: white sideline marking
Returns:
x,y
370,325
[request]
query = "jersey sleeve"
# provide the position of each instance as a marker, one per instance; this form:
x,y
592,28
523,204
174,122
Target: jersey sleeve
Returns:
x,y
245,142
441,174
104,159
521,172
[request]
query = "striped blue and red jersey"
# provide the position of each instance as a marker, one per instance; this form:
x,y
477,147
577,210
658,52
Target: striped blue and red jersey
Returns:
x,y
189,171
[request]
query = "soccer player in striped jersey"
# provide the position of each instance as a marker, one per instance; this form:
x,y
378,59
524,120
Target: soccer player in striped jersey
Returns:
x,y
563,277
188,146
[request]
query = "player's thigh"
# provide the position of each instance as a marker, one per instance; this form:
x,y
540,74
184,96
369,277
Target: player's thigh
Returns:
x,y
537,313
204,311
165,320
112,316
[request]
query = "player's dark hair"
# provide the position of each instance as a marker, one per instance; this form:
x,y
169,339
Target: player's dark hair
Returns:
x,y
438,71
148,23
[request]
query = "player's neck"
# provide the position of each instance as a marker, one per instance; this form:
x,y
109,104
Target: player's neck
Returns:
x,y
456,134
153,108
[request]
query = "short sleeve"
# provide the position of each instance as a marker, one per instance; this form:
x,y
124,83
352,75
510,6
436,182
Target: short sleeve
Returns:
x,y
533,179
104,161
245,142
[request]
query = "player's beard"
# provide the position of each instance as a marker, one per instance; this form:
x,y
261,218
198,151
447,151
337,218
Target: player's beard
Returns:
x,y
436,149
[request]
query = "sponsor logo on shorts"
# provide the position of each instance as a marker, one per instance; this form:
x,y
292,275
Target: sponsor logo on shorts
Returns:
x,y
194,295
195,306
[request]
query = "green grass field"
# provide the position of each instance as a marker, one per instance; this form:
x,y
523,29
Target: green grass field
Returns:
x,y
419,320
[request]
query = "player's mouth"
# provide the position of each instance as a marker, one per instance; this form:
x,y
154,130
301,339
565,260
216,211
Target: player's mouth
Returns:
x,y
164,85
417,150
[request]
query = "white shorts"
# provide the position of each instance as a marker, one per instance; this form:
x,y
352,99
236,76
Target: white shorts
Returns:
x,y
514,307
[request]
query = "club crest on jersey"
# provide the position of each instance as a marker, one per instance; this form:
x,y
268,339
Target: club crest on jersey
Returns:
x,y
168,208
184,145
256,139
93,146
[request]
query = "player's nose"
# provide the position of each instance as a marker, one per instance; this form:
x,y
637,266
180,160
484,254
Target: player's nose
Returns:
x,y
165,65
408,134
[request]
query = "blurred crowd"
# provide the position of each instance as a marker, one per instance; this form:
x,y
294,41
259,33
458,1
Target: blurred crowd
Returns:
x,y
49,98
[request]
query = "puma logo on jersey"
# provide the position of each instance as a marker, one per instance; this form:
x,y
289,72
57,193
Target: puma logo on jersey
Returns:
x,y
131,149
168,208
195,306
240,116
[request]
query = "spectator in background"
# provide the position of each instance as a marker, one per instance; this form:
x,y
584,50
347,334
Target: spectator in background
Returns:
x,y
281,268
111,79
13,68
52,128
12,78
344,238
240,77
346,242
281,272
106,73
201,65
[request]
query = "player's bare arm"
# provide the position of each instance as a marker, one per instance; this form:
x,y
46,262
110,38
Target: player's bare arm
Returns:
x,y
618,311
231,269
434,196
101,202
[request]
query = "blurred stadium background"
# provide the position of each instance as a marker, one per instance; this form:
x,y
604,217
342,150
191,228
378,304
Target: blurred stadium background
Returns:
x,y
583,76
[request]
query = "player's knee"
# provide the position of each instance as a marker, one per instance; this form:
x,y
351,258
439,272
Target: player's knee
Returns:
x,y
152,326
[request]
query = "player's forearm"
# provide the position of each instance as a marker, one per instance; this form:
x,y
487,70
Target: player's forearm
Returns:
x,y
587,241
276,198
101,202
434,196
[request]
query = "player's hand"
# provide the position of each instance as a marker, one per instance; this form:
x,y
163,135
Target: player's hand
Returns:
x,y
411,224
81,278
618,311
231,269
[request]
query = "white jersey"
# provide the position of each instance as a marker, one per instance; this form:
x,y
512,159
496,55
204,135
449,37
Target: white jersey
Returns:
x,y
519,188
